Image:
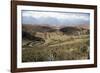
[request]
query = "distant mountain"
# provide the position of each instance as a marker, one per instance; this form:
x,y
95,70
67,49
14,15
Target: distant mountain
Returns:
x,y
85,26
37,28
65,29
49,20
29,20
69,30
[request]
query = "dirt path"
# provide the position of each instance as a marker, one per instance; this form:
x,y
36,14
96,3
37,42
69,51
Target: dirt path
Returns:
x,y
69,42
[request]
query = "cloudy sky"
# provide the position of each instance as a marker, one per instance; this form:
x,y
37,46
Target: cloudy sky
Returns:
x,y
54,18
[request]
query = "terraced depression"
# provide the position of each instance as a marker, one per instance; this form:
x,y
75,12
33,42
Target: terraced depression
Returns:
x,y
55,36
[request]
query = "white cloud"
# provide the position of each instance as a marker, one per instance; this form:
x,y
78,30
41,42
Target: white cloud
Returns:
x,y
55,15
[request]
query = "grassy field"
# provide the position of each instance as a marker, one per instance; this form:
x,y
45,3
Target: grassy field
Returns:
x,y
57,47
